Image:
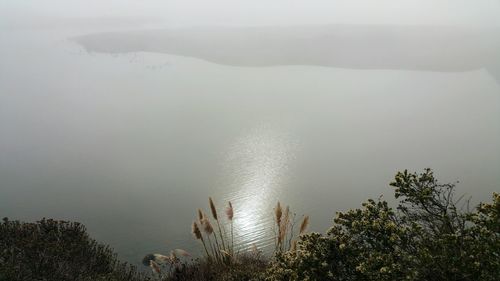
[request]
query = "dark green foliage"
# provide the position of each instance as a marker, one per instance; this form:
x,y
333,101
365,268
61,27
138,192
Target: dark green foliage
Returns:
x,y
427,237
56,250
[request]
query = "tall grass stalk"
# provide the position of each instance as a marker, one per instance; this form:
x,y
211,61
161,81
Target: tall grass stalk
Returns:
x,y
230,214
278,212
209,230
214,214
221,247
197,234
284,224
304,225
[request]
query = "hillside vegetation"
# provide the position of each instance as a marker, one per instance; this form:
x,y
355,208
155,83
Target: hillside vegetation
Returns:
x,y
429,235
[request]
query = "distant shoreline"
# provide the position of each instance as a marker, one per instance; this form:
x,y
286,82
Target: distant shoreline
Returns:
x,y
420,48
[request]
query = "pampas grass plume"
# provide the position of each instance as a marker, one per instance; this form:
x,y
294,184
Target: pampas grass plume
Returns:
x,y
207,226
278,212
154,266
182,252
200,215
212,208
196,231
161,258
230,211
304,224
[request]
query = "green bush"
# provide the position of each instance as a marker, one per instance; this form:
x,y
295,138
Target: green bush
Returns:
x,y
57,250
427,237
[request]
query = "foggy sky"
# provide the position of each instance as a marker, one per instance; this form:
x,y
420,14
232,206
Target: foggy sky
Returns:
x,y
254,12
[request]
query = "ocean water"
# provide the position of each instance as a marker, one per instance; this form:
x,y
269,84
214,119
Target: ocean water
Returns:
x,y
132,142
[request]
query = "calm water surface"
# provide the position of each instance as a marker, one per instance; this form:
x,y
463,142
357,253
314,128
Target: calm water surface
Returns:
x,y
131,144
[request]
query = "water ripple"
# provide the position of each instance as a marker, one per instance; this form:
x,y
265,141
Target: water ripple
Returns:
x,y
254,171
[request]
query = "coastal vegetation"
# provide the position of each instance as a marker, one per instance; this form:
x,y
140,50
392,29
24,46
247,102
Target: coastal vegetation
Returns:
x,y
57,250
429,235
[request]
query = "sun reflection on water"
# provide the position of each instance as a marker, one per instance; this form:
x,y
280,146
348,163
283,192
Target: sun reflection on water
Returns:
x,y
255,169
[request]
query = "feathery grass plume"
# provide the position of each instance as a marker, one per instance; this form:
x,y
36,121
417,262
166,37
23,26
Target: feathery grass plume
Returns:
x,y
209,230
158,258
285,220
154,266
230,215
182,252
207,226
287,213
304,225
278,212
214,214
286,217
197,234
212,208
161,258
200,215
230,211
196,231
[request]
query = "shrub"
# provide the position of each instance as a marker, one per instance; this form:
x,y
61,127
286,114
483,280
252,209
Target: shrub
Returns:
x,y
427,237
57,250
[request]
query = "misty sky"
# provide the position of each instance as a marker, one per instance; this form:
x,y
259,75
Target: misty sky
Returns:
x,y
256,12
